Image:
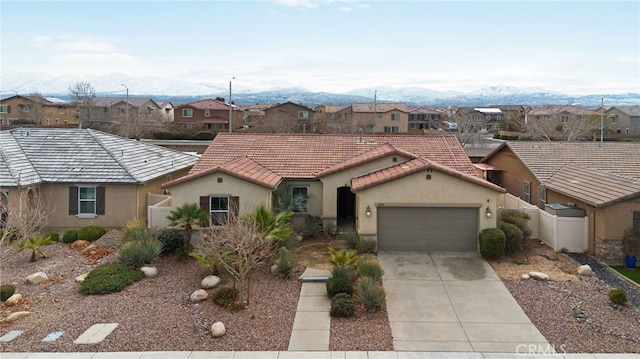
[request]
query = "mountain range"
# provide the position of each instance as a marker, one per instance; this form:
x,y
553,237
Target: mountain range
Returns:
x,y
179,91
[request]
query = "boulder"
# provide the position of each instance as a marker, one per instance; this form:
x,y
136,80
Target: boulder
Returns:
x,y
199,295
539,275
81,277
149,272
274,269
37,278
585,270
13,300
210,281
218,329
79,244
89,248
525,276
15,316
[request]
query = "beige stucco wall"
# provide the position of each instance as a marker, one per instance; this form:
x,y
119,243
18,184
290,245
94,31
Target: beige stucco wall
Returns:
x,y
385,120
251,195
415,190
314,200
153,187
514,174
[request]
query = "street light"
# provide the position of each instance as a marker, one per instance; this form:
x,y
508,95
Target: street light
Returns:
x,y
230,113
127,111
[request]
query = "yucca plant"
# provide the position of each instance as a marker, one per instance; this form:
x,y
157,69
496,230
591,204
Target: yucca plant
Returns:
x,y
370,294
285,261
136,254
371,269
137,230
34,243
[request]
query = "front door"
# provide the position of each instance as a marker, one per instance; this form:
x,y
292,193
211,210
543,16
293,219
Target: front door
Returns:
x,y
346,211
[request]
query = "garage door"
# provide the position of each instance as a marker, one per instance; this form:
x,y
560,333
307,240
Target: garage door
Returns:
x,y
428,229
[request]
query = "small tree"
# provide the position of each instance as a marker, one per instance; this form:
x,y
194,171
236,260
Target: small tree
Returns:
x,y
35,243
84,95
187,216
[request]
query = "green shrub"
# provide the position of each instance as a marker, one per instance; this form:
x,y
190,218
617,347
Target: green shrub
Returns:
x,y
285,262
492,243
70,236
618,296
6,291
54,236
341,295
136,254
109,278
518,218
289,241
513,237
338,285
370,294
346,272
350,237
367,246
225,297
91,233
342,307
312,226
136,230
171,239
346,257
371,269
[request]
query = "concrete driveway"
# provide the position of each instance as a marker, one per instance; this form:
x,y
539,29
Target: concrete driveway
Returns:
x,y
453,301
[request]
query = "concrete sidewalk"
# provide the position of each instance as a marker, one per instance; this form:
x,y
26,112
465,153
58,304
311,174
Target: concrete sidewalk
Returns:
x,y
453,301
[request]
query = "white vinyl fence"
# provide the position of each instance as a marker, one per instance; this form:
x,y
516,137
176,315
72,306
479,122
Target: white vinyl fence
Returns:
x,y
159,207
570,233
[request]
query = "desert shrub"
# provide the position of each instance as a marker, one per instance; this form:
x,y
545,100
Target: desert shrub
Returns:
x,y
312,226
346,272
518,218
618,296
6,291
367,246
341,295
370,294
137,230
109,278
338,285
342,307
91,233
136,254
171,239
225,297
285,262
350,237
70,236
513,237
492,243
346,257
54,236
370,269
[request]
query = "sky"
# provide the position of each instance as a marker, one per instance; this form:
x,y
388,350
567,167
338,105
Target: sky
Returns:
x,y
571,47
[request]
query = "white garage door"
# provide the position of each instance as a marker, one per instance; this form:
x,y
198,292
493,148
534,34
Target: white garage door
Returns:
x,y
428,228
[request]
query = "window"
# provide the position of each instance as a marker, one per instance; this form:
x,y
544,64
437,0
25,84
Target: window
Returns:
x,y
301,192
207,113
303,115
542,197
636,218
187,112
61,110
26,109
395,117
613,119
526,191
391,129
219,209
86,201
5,108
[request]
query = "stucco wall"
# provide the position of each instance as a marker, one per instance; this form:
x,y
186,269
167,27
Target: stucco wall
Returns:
x,y
514,174
314,200
153,187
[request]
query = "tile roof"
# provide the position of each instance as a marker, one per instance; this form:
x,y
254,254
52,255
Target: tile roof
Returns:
x,y
57,155
629,110
373,154
555,110
379,107
134,101
208,104
304,156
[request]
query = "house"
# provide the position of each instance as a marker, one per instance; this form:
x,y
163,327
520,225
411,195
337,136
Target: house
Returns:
x,y
623,120
602,178
166,109
37,110
424,118
208,114
404,191
288,117
89,177
375,118
473,119
566,123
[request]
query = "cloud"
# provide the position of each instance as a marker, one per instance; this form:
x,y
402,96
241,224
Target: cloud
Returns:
x,y
308,4
73,42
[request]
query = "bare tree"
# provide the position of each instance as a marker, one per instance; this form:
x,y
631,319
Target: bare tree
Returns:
x,y
84,95
36,108
468,132
278,122
559,127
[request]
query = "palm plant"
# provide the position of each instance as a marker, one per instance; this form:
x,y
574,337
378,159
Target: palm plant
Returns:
x,y
187,216
34,243
276,226
286,201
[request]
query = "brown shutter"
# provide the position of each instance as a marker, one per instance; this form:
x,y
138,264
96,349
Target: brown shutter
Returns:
x,y
234,206
100,198
73,200
204,204
8,109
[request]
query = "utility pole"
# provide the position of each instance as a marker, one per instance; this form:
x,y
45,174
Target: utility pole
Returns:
x,y
126,120
230,108
601,120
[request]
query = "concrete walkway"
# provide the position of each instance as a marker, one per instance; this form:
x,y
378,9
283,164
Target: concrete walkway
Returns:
x,y
312,323
452,302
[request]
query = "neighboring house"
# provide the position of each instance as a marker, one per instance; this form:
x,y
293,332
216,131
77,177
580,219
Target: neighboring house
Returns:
x,y
623,120
30,110
563,122
166,109
425,118
141,111
87,176
289,117
406,192
208,114
253,114
473,119
601,178
375,118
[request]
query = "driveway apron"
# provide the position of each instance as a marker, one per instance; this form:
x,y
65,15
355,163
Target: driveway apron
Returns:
x,y
453,301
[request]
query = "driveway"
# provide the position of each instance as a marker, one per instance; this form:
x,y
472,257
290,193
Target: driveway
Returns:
x,y
453,301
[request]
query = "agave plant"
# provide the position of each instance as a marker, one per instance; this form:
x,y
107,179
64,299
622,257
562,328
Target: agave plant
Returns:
x,y
34,243
346,257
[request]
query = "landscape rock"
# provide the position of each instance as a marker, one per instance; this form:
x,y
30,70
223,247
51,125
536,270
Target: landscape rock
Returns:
x,y
13,300
539,275
199,295
15,316
37,278
210,281
89,248
149,272
585,270
81,277
79,244
218,329
525,276
274,269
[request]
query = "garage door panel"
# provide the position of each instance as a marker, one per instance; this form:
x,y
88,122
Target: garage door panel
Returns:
x,y
430,228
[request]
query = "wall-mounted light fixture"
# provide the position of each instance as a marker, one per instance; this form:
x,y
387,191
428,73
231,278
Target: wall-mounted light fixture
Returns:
x,y
368,211
488,213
